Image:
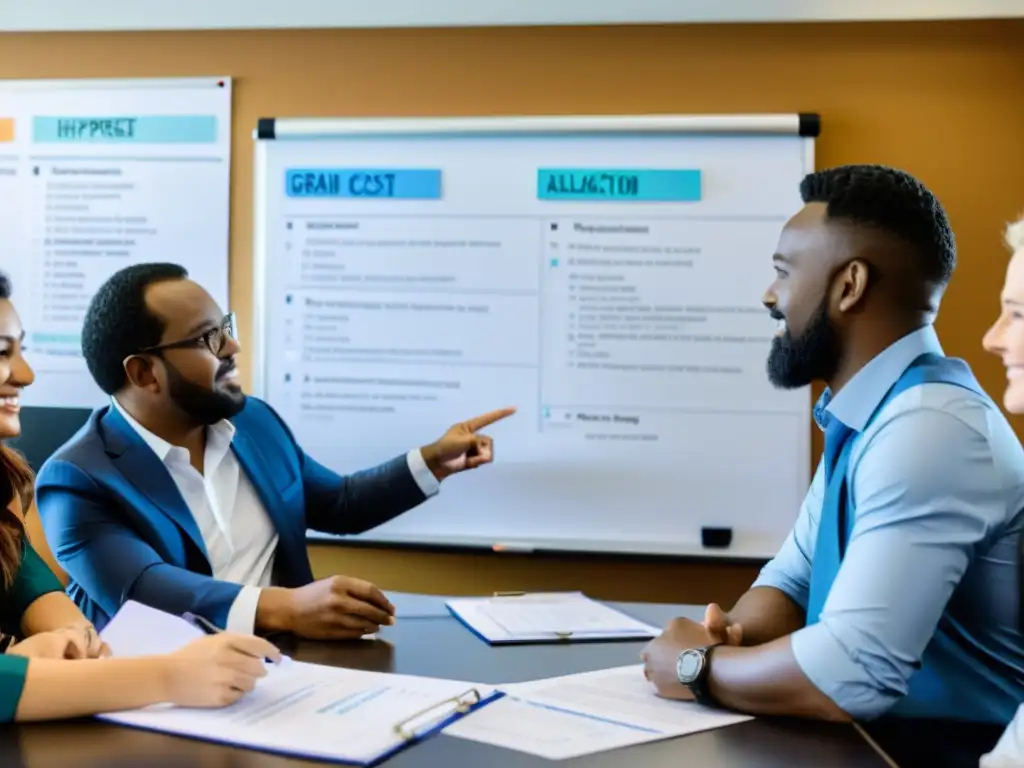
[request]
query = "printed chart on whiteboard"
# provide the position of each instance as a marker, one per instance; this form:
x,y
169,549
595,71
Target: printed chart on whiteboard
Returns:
x,y
96,175
608,284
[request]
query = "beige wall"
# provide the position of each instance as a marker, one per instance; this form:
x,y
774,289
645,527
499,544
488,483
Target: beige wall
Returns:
x,y
942,100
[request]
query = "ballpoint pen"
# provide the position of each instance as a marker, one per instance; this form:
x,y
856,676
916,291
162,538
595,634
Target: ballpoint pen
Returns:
x,y
212,629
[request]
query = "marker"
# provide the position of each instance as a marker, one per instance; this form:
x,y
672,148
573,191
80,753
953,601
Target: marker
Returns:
x,y
512,548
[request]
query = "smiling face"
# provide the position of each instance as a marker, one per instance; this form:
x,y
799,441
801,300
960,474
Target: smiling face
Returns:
x,y
807,344
197,355
15,372
1006,336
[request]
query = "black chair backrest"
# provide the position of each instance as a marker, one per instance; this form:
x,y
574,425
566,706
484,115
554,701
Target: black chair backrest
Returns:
x,y
44,430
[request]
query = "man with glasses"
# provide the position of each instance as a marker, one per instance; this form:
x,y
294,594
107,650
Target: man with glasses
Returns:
x,y
186,495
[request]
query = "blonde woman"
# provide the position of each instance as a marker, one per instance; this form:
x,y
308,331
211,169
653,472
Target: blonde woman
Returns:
x,y
1006,339
52,663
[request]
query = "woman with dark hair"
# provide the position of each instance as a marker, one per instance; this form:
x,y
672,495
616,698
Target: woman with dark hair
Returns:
x,y
23,573
52,661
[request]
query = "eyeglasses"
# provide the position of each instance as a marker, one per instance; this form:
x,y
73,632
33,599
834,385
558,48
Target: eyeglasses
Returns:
x,y
214,339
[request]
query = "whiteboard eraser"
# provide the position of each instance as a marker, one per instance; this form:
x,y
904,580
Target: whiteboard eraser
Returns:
x,y
716,537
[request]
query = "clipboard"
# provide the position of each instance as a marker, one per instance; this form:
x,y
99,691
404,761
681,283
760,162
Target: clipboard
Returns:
x,y
301,710
591,620
406,733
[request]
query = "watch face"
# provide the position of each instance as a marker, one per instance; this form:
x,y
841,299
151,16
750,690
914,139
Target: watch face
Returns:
x,y
688,666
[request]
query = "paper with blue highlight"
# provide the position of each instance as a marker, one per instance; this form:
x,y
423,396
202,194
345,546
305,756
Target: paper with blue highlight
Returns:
x,y
299,709
364,183
619,185
566,717
125,129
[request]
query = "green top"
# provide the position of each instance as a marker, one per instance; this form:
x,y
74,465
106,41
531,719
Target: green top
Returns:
x,y
34,579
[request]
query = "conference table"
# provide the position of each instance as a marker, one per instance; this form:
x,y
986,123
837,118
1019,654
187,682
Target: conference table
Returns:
x,y
427,640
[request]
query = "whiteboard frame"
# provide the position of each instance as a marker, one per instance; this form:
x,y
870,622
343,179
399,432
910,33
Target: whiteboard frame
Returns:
x,y
309,128
326,128
258,375
113,83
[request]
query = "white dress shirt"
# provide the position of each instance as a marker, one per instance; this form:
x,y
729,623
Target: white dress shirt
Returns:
x,y
239,536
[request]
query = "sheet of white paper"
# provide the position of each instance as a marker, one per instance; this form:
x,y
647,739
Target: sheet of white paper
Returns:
x,y
138,630
315,711
541,615
322,712
1009,751
565,717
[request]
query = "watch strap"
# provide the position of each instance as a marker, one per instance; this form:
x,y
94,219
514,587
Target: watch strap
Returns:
x,y
699,687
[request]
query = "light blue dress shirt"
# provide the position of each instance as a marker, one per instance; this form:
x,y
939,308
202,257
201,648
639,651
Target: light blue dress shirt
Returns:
x,y
936,486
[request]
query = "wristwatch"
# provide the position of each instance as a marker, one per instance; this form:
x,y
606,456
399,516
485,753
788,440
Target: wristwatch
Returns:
x,y
692,667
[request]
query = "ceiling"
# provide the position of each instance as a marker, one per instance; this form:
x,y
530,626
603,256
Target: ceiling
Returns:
x,y
96,15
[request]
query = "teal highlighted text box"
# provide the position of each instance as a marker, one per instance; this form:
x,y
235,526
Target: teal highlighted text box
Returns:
x,y
619,185
56,338
364,183
125,129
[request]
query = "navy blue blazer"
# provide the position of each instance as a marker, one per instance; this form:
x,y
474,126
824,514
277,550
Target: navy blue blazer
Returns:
x,y
120,528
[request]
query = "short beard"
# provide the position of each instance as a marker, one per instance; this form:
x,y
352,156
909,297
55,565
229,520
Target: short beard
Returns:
x,y
203,406
815,355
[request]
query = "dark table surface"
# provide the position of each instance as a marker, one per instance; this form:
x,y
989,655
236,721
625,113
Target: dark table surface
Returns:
x,y
427,641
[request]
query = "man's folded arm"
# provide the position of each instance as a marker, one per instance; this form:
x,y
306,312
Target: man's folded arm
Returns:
x,y
927,493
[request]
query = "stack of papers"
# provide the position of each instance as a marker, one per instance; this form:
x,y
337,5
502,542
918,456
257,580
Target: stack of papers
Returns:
x,y
565,717
305,710
547,617
336,714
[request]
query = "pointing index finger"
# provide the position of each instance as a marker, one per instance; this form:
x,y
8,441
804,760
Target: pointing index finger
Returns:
x,y
479,422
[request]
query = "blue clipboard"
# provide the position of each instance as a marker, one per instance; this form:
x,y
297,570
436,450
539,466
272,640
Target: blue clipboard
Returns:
x,y
407,739
553,638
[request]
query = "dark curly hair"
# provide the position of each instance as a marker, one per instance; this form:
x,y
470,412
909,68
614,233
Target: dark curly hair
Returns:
x,y
16,481
118,324
892,201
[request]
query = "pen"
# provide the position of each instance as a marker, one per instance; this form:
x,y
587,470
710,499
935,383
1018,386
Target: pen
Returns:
x,y
210,628
200,623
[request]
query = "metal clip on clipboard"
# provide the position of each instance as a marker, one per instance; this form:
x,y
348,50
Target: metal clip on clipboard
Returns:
x,y
561,635
456,705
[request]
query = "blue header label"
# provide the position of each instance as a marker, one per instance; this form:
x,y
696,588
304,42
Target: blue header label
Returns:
x,y
146,129
391,184
640,186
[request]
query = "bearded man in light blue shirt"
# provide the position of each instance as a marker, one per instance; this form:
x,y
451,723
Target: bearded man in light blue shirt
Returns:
x,y
896,598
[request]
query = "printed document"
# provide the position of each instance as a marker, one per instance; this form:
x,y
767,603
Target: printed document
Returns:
x,y
565,717
547,616
305,710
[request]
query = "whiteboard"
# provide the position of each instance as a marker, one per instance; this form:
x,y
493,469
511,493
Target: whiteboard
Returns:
x,y
604,275
96,175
